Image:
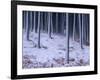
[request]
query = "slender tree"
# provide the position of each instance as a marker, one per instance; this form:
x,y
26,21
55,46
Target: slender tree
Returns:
x,y
34,21
84,30
51,23
46,22
49,26
74,27
42,21
39,28
24,20
67,38
31,21
62,25
87,29
56,22
80,30
27,25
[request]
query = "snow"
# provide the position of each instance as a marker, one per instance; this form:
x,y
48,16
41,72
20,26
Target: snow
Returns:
x,y
52,52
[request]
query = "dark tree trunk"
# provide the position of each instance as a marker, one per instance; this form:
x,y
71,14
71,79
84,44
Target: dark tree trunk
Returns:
x,y
74,27
39,29
56,22
28,25
80,30
67,38
34,22
49,24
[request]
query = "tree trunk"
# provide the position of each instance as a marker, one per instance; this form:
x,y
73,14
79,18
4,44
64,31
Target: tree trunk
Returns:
x,y
56,22
74,28
25,21
42,21
27,25
87,29
46,22
51,23
31,21
34,22
62,25
49,28
39,28
67,38
84,30
80,30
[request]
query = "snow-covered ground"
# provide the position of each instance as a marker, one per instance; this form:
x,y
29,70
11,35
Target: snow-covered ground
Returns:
x,y
52,52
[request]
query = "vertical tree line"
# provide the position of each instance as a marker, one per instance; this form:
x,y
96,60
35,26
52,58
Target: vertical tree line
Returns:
x,y
67,38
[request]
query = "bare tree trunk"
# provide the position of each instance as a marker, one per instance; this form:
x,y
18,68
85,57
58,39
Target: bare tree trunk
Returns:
x,y
56,22
80,29
74,28
67,38
23,21
26,22
46,22
27,25
41,21
84,30
34,22
39,28
87,29
49,26
31,21
62,25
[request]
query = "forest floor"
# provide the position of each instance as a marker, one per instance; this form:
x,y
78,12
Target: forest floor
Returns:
x,y
52,52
